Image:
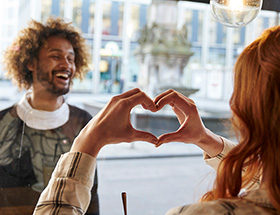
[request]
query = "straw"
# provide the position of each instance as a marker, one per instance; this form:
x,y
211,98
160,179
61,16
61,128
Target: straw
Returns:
x,y
124,202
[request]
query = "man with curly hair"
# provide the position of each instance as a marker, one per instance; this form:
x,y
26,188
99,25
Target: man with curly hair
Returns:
x,y
34,132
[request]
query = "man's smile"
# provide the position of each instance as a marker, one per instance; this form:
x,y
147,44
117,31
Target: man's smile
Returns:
x,y
63,75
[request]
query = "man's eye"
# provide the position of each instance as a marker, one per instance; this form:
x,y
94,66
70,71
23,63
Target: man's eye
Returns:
x,y
55,57
71,60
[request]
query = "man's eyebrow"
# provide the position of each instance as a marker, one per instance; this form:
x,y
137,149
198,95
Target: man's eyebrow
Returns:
x,y
59,50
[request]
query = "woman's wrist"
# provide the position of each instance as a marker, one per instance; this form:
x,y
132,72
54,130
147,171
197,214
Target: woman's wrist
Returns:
x,y
211,143
86,143
78,146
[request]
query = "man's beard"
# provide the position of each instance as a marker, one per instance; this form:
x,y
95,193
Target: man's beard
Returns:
x,y
43,78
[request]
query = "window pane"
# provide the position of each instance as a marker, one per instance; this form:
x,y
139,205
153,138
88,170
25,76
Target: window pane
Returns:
x,y
112,18
193,24
136,23
217,44
110,67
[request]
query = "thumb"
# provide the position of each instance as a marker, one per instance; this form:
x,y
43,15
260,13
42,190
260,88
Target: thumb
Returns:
x,y
170,137
145,136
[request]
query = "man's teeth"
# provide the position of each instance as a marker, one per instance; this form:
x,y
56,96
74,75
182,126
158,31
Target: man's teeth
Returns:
x,y
62,75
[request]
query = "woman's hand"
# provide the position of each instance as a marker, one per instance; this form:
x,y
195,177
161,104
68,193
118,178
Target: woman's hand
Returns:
x,y
192,129
112,124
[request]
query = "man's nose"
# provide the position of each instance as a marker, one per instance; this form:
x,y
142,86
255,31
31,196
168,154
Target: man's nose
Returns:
x,y
64,64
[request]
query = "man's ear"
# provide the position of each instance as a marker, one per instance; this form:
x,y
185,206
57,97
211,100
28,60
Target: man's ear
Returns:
x,y
31,66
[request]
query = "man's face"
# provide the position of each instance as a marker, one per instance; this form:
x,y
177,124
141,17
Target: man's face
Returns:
x,y
55,66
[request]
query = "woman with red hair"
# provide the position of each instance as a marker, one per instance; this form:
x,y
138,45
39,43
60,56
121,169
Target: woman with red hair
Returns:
x,y
254,163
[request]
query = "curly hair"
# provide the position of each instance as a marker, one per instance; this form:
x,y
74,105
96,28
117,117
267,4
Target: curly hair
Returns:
x,y
26,47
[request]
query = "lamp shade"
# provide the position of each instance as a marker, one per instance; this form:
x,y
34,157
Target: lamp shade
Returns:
x,y
273,5
235,13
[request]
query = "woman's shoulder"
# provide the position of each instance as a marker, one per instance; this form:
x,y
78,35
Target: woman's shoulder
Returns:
x,y
209,208
221,207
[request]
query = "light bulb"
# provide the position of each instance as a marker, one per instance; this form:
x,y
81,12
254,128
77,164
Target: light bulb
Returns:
x,y
235,13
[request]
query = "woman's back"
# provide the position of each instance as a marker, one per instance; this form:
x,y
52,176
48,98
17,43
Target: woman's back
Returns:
x,y
256,202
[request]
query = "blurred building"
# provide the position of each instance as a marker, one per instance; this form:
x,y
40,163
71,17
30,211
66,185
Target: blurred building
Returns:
x,y
9,17
112,27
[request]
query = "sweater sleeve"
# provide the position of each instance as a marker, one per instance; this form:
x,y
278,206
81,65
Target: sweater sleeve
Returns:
x,y
68,191
214,161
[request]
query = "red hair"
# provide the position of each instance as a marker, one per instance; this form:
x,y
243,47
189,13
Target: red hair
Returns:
x,y
255,104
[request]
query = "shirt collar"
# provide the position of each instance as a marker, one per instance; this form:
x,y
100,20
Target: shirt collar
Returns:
x,y
42,120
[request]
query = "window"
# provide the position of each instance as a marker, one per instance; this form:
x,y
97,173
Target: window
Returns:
x,y
77,13
61,8
91,18
112,18
46,9
215,49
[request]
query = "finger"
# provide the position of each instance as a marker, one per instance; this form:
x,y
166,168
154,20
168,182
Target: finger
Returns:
x,y
128,93
162,95
189,100
177,100
143,99
170,137
169,92
144,136
145,107
168,98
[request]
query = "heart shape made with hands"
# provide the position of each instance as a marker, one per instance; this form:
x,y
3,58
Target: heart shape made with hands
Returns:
x,y
190,124
113,123
161,122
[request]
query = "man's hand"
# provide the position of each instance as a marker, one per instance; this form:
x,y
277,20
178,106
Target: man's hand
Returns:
x,y
112,124
192,129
